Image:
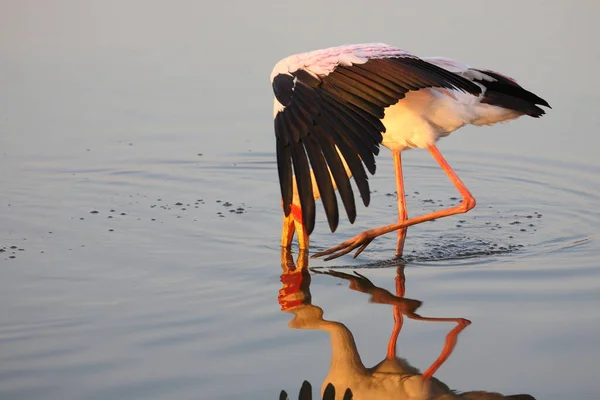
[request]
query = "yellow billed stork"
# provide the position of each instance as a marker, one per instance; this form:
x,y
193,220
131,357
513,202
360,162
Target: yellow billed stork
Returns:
x,y
334,107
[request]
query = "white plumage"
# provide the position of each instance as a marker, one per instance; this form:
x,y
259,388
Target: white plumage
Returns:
x,y
334,107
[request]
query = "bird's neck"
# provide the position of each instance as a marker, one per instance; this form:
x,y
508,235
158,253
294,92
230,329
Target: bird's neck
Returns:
x,y
345,359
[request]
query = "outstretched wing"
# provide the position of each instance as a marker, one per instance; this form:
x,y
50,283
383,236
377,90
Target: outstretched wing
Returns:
x,y
328,110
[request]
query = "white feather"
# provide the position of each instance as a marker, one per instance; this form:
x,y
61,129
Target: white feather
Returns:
x,y
323,62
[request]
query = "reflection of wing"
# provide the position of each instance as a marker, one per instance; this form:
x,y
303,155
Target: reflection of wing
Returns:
x,y
328,109
306,393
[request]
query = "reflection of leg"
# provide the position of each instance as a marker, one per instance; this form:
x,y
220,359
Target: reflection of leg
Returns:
x,y
451,339
287,260
402,213
398,320
293,223
400,280
295,279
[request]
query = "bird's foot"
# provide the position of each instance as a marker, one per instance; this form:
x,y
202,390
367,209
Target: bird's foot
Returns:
x,y
362,240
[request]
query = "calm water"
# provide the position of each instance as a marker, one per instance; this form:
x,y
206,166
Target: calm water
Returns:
x,y
140,212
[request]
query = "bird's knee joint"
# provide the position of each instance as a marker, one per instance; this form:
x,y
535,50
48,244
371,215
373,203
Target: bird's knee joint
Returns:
x,y
468,203
296,212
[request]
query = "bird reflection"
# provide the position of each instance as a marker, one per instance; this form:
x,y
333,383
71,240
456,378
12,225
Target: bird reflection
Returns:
x,y
393,377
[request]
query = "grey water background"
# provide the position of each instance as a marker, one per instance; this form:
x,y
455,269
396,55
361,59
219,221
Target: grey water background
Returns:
x,y
159,117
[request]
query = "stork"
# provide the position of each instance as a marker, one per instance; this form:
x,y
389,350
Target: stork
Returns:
x,y
334,107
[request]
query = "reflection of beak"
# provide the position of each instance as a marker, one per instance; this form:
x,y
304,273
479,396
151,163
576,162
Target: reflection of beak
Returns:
x,y
292,294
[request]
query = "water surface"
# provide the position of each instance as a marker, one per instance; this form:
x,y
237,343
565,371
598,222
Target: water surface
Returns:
x,y
138,188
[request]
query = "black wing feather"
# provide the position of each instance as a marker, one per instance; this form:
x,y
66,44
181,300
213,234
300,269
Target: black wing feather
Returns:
x,y
305,391
354,122
385,81
355,166
348,394
353,142
344,96
339,115
358,88
323,178
374,88
339,174
284,167
304,184
329,393
506,93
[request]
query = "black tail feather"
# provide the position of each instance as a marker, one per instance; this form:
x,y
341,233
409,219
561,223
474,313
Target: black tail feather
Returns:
x,y
504,92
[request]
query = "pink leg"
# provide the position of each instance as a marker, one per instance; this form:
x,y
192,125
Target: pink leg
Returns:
x,y
293,224
362,240
402,213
